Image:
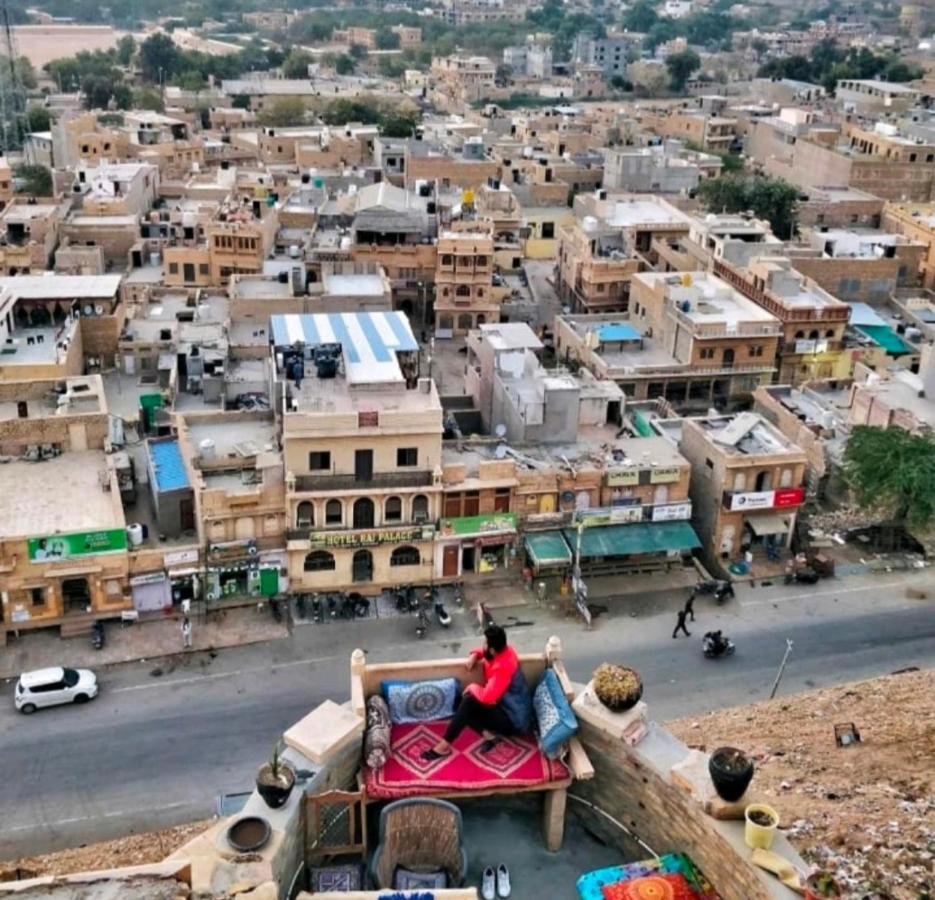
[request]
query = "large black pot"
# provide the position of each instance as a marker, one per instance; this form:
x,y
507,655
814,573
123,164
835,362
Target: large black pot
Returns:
x,y
731,771
275,793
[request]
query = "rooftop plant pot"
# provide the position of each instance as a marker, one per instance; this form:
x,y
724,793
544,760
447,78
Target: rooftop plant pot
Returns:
x,y
275,788
731,770
619,688
761,822
248,834
820,885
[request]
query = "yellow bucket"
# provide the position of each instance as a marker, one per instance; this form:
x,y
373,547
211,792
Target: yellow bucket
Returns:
x,y
760,836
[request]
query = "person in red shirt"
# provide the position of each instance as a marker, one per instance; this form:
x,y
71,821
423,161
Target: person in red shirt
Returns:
x,y
500,706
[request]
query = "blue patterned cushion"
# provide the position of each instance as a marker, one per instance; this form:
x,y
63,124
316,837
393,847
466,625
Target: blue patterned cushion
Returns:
x,y
337,878
404,879
421,701
556,721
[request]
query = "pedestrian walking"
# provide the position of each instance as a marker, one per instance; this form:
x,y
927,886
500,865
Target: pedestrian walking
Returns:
x,y
748,562
690,606
186,607
187,633
681,624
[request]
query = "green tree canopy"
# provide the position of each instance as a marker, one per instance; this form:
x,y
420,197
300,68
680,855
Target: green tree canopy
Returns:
x,y
38,118
126,49
681,66
296,64
767,198
640,17
892,468
284,112
398,124
159,57
36,180
387,40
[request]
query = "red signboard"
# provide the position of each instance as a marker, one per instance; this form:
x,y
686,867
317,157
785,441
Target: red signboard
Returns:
x,y
788,497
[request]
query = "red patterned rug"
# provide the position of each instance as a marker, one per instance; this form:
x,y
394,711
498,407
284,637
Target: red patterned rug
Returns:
x,y
514,762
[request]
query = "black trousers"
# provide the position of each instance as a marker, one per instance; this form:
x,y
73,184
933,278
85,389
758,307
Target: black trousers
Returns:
x,y
479,716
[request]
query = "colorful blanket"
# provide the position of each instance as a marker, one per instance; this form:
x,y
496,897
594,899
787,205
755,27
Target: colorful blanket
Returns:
x,y
591,885
514,763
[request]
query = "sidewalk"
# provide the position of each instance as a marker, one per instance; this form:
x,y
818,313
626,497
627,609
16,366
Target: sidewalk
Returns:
x,y
144,640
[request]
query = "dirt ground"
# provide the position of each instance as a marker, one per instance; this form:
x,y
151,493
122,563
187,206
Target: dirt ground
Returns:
x,y
868,810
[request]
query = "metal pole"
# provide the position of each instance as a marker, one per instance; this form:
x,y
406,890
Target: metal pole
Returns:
x,y
782,667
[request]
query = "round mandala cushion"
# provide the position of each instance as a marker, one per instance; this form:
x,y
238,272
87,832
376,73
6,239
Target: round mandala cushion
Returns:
x,y
650,887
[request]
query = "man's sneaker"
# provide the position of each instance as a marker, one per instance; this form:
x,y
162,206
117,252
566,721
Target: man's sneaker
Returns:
x,y
503,881
488,885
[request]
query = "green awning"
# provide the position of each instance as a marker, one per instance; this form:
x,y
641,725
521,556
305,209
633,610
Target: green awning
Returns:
x,y
885,337
624,540
548,548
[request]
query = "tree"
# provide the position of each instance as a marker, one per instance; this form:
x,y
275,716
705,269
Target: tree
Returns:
x,y
391,66
357,51
681,66
387,40
26,72
159,57
35,180
126,48
97,90
398,125
893,469
283,112
767,198
38,118
146,98
899,70
345,64
296,64
240,101
640,17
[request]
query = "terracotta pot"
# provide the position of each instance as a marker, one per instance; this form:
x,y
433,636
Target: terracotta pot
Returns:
x,y
731,771
248,834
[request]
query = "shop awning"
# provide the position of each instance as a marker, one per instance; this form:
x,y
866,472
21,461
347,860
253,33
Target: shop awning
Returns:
x,y
768,524
548,548
624,540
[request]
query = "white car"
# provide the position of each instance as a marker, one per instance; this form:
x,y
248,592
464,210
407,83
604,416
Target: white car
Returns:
x,y
51,687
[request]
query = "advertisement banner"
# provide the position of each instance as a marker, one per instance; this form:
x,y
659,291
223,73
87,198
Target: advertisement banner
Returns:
x,y
789,496
664,476
751,500
369,538
480,524
623,478
672,512
57,547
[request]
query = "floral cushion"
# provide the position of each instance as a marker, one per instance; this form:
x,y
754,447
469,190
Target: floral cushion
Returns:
x,y
554,717
650,887
421,701
591,884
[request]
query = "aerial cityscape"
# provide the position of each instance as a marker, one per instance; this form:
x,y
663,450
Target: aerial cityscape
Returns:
x,y
467,449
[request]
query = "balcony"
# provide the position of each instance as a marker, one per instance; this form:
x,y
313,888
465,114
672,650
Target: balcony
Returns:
x,y
330,482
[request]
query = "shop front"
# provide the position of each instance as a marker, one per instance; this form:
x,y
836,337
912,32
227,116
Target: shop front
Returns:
x,y
481,544
185,575
235,570
760,521
151,592
642,546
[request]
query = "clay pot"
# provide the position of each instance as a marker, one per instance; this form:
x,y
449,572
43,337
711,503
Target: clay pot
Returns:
x,y
821,885
275,789
731,771
614,700
248,834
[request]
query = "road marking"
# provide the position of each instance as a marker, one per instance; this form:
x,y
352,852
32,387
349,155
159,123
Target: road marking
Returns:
x,y
109,815
850,590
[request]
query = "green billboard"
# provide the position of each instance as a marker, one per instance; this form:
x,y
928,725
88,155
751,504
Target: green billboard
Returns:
x,y
69,546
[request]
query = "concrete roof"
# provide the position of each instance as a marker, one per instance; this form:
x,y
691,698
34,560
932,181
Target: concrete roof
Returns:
x,y
71,287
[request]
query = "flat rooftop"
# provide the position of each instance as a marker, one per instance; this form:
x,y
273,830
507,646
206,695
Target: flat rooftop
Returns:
x,y
83,395
237,439
628,213
746,434
353,285
252,288
51,286
62,494
708,300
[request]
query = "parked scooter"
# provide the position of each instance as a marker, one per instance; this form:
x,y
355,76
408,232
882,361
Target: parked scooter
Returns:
x,y
97,635
714,645
722,590
442,614
318,613
360,605
422,621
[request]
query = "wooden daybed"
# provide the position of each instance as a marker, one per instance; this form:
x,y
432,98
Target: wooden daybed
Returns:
x,y
366,680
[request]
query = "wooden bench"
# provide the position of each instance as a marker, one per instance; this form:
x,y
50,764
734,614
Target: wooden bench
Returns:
x,y
366,679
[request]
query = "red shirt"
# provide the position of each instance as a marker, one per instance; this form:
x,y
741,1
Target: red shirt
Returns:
x,y
498,673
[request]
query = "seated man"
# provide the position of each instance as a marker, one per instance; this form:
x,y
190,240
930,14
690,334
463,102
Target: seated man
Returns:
x,y
501,706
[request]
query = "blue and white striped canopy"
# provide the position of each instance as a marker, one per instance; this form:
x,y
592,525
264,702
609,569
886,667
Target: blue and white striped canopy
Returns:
x,y
369,340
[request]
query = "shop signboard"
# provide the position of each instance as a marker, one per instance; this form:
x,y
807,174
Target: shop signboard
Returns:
x,y
623,478
179,557
487,524
789,496
672,512
369,537
610,515
664,475
58,547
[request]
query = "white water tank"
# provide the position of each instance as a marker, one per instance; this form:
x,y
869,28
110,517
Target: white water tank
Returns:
x,y
207,449
135,534
155,259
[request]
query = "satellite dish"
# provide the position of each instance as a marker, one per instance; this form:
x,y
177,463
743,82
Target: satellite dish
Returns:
x,y
500,431
88,310
500,451
98,309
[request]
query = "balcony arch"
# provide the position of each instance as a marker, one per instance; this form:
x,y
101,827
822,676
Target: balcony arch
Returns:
x,y
319,561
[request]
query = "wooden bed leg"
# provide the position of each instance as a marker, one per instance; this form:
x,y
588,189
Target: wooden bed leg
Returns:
x,y
553,818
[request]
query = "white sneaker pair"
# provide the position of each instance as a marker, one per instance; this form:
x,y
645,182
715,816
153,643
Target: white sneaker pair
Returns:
x,y
495,884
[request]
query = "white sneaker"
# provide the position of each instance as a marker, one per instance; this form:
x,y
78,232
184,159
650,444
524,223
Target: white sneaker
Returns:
x,y
487,886
503,881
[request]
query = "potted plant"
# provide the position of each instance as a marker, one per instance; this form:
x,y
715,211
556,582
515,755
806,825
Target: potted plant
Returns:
x,y
274,781
822,884
731,770
619,688
760,826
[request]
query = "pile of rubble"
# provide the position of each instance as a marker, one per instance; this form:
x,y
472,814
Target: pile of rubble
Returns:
x,y
865,811
837,521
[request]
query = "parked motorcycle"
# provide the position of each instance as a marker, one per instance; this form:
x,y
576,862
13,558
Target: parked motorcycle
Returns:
x,y
714,645
332,606
422,621
275,604
300,606
484,617
318,613
442,614
802,576
360,605
401,598
97,635
722,590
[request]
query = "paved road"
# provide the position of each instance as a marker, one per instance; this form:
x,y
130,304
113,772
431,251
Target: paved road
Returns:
x,y
153,751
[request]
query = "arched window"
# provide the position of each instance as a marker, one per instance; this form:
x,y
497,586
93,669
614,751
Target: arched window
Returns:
x,y
829,333
362,566
764,481
740,481
463,290
420,508
334,512
305,514
319,561
405,556
393,510
799,335
464,321
813,334
363,513
785,479
445,322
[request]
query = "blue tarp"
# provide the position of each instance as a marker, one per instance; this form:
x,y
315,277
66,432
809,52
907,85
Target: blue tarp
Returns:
x,y
617,331
168,465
